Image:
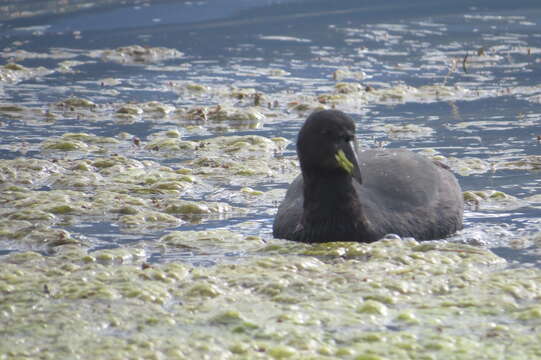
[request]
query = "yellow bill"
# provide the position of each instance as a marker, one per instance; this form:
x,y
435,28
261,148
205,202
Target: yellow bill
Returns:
x,y
344,162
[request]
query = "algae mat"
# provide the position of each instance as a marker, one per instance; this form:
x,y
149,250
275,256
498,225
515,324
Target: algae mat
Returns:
x,y
393,299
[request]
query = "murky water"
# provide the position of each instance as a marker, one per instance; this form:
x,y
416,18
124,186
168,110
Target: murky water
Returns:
x,y
121,124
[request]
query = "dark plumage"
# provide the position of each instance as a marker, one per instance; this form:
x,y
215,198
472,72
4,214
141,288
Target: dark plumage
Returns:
x,y
346,195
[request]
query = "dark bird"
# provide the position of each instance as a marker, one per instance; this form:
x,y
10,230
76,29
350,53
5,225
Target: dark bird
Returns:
x,y
347,195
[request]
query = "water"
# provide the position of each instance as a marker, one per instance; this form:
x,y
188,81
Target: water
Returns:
x,y
138,188
288,51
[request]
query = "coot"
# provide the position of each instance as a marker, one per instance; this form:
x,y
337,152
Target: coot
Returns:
x,y
347,195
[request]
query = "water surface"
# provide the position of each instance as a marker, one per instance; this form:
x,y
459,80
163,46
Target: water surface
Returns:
x,y
173,154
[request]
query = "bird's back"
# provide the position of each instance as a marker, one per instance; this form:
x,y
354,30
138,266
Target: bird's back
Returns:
x,y
409,195
401,192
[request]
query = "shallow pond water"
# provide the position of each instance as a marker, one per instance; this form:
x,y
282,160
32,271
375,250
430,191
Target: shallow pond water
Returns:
x,y
145,146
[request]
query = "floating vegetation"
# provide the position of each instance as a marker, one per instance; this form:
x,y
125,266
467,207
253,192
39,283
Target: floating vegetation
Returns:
x,y
341,74
467,166
405,131
529,162
267,303
76,103
136,54
142,180
492,199
14,73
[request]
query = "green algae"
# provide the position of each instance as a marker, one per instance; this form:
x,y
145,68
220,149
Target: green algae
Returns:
x,y
242,144
346,93
222,113
232,157
81,142
35,236
530,162
14,73
252,116
169,143
271,306
65,145
347,87
209,239
115,188
149,219
372,307
117,256
467,165
27,172
381,301
129,109
487,195
136,54
341,74
221,167
492,199
14,67
156,108
90,139
249,191
11,108
196,87
404,131
195,208
75,102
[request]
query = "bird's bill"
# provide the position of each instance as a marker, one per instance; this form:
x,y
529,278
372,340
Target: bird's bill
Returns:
x,y
347,159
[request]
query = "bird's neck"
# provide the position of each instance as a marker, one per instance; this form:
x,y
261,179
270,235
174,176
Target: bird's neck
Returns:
x,y
331,210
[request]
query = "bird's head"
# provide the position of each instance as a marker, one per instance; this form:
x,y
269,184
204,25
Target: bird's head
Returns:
x,y
326,145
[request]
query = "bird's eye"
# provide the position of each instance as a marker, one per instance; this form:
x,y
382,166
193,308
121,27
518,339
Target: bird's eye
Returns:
x,y
347,137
